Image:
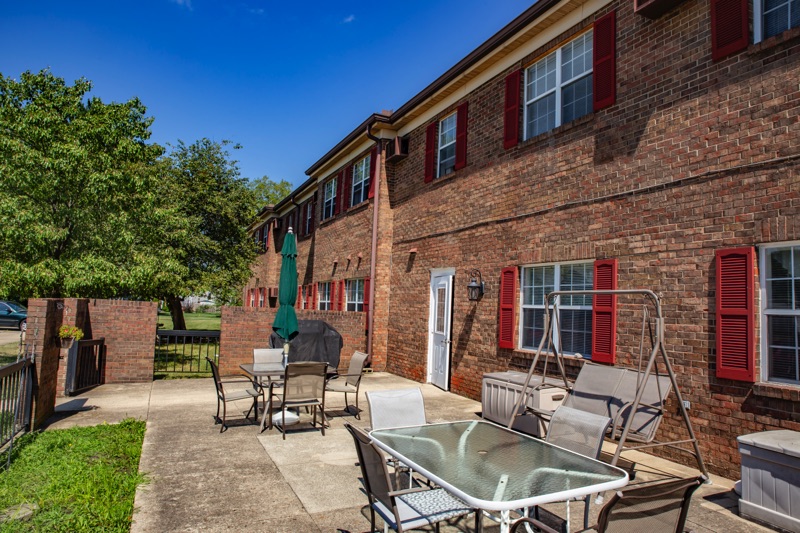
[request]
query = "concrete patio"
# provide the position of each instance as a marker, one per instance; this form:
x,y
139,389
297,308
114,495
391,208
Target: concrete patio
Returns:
x,y
201,480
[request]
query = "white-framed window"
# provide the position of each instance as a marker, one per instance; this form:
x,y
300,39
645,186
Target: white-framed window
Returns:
x,y
780,312
261,294
360,187
309,217
558,87
771,17
574,332
329,195
447,145
324,296
354,289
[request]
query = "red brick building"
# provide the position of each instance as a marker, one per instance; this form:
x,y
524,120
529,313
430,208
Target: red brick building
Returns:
x,y
655,139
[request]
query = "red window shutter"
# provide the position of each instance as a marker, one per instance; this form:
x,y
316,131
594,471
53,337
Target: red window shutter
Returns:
x,y
729,27
348,188
604,78
339,193
314,300
373,162
461,136
430,151
506,323
735,310
341,295
604,313
511,110
332,296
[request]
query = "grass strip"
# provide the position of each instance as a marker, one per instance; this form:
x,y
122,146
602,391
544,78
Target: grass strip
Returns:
x,y
81,479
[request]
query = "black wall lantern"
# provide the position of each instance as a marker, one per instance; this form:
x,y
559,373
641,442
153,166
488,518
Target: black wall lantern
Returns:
x,y
475,286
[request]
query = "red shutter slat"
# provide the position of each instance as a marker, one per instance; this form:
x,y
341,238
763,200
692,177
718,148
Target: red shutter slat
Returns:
x,y
341,296
604,77
314,301
299,301
506,323
511,110
604,313
430,151
461,136
373,163
729,27
735,312
339,193
347,201
332,296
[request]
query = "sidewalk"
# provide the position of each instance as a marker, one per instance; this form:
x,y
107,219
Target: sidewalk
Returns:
x,y
201,480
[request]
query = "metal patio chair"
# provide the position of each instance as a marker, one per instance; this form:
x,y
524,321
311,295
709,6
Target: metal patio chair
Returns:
x,y
262,356
402,510
224,396
654,508
352,381
303,386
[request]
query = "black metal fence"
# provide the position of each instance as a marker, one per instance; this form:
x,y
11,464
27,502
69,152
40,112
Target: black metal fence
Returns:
x,y
86,365
185,352
16,399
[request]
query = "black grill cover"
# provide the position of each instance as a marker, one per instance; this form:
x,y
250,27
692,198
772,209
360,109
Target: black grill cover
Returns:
x,y
316,341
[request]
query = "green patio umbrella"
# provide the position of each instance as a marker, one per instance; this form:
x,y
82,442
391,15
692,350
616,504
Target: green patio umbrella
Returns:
x,y
285,323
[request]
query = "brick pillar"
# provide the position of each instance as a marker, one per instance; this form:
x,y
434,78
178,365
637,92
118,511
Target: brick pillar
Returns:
x,y
44,318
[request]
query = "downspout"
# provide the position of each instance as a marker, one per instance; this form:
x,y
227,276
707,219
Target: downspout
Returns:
x,y
374,250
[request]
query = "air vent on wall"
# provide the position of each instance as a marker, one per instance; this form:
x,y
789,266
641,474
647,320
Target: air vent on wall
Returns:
x,y
654,8
396,150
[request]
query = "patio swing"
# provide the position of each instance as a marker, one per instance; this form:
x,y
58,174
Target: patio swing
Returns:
x,y
634,399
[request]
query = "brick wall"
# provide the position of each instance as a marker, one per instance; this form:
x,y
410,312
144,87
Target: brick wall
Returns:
x,y
244,328
44,319
694,157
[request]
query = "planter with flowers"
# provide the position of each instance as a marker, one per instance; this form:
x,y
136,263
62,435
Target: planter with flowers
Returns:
x,y
69,334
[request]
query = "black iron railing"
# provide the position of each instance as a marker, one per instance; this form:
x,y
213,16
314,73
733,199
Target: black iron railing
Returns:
x,y
86,365
185,352
16,387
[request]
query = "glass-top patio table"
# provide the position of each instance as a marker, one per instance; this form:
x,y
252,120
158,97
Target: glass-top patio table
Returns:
x,y
496,469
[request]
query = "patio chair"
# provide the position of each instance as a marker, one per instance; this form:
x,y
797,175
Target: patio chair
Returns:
x,y
352,381
579,432
303,386
397,408
654,508
224,396
263,356
402,510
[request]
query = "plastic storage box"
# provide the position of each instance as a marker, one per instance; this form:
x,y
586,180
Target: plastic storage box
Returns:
x,y
499,394
771,478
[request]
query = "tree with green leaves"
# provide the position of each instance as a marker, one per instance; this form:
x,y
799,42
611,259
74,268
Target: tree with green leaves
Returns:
x,y
77,196
206,188
268,192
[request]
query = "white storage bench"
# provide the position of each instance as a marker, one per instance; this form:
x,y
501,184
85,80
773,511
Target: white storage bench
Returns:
x,y
771,478
500,391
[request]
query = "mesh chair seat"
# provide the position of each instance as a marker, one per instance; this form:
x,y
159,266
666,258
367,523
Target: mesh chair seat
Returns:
x,y
339,386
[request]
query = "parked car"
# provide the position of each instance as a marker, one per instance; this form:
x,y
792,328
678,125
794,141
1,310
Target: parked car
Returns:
x,y
13,315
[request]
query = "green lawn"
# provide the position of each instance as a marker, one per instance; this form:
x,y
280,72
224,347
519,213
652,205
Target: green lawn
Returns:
x,y
81,479
194,321
8,353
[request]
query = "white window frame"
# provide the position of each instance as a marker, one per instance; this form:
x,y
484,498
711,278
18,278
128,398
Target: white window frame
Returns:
x,y
309,217
556,286
324,296
758,19
361,176
559,86
329,199
261,296
353,289
766,312
440,147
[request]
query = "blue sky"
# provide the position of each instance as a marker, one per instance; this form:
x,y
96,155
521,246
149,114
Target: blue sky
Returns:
x,y
286,80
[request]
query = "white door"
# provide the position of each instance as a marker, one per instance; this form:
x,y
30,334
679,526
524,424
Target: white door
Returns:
x,y
439,330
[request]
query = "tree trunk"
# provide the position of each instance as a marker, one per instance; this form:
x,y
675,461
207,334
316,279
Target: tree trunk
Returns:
x,y
176,312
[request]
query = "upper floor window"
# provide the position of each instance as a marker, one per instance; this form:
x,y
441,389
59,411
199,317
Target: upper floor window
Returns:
x,y
447,145
324,296
309,218
772,17
361,172
355,294
574,332
328,207
780,319
558,87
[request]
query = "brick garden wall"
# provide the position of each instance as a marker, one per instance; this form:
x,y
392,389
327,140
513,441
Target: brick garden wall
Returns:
x,y
694,157
243,329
